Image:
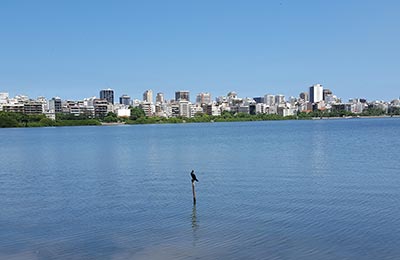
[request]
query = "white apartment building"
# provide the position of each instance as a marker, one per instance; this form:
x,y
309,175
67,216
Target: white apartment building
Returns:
x,y
316,93
148,96
269,100
184,108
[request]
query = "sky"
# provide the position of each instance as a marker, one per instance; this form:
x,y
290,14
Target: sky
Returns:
x,y
73,49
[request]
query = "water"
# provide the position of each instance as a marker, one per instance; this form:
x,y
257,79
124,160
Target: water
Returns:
x,y
325,189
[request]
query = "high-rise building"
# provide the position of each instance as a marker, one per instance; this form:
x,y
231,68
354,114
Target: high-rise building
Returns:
x,y
125,100
304,96
203,98
292,101
259,100
279,99
107,94
175,110
4,98
55,105
148,96
316,93
325,93
269,100
100,107
184,108
160,98
182,95
147,108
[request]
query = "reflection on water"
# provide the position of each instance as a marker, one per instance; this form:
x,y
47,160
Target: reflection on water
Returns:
x,y
319,145
125,193
195,225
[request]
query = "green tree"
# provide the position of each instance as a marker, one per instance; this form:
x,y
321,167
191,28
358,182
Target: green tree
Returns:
x,y
47,122
137,112
110,118
394,111
226,114
8,120
372,111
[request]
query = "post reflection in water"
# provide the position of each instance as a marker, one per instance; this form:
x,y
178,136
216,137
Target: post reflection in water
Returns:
x,y
195,224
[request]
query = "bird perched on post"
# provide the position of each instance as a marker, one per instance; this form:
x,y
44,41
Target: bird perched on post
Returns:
x,y
193,176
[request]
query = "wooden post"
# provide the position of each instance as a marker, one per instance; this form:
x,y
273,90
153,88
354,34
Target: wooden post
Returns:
x,y
194,193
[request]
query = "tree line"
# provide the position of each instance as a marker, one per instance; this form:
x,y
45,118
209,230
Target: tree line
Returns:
x,y
11,119
138,116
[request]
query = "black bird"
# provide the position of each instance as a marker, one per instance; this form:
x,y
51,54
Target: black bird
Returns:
x,y
193,176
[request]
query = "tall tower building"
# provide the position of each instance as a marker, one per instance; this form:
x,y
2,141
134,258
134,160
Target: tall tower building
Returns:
x,y
184,108
203,98
269,100
316,93
160,98
304,96
326,92
55,105
107,94
279,99
182,95
148,96
125,100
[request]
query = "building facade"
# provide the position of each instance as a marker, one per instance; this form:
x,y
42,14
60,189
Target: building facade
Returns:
x,y
148,96
125,100
55,105
182,95
160,98
203,98
316,93
100,107
33,108
107,94
326,92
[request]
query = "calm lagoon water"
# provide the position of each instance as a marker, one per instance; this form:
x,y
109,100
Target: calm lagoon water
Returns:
x,y
325,189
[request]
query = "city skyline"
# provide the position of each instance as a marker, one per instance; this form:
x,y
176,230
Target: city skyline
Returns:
x,y
71,49
317,100
172,96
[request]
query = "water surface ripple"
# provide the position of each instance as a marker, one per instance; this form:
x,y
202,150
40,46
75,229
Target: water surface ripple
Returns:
x,y
325,189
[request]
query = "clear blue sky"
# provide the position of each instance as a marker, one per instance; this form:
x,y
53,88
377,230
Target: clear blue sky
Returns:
x,y
73,48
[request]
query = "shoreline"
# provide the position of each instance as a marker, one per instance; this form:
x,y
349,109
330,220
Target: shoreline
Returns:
x,y
217,121
355,117
113,123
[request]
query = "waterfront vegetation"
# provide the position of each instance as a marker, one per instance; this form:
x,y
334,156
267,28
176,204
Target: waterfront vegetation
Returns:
x,y
10,119
203,118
